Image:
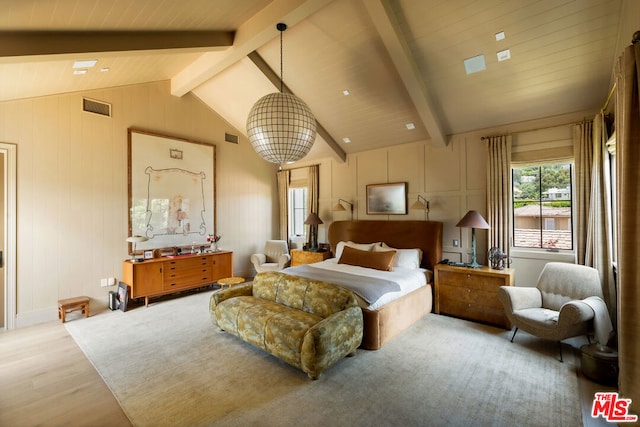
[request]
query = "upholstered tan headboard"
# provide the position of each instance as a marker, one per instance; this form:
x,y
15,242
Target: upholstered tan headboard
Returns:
x,y
426,235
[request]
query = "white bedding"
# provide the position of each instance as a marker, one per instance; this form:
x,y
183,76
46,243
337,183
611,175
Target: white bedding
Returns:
x,y
408,279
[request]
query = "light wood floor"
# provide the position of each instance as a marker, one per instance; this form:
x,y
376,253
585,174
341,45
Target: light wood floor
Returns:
x,y
45,379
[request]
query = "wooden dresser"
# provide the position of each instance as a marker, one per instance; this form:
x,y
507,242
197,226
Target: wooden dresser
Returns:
x,y
299,257
166,275
472,293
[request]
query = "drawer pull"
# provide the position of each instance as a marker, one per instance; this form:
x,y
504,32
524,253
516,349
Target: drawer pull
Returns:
x,y
468,276
468,290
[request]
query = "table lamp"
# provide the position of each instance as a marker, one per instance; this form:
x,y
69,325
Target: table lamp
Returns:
x,y
313,220
135,240
473,220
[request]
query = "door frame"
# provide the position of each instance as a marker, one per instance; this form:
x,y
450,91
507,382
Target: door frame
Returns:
x,y
10,234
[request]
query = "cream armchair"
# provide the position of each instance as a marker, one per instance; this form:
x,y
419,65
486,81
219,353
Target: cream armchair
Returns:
x,y
558,307
275,257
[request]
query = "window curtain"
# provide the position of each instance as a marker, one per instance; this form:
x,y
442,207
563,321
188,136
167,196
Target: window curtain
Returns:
x,y
312,189
593,214
627,122
284,177
583,155
499,191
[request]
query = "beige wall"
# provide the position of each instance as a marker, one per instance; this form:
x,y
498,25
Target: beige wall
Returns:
x,y
72,188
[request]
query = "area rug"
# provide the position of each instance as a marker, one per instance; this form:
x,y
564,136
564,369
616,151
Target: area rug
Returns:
x,y
168,365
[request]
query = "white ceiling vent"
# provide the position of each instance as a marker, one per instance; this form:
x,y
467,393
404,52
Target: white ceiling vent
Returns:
x,y
96,107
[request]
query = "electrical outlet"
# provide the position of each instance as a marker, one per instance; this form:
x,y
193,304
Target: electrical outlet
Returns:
x,y
112,281
104,282
456,243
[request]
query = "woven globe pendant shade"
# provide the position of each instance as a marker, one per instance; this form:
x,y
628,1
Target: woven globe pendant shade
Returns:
x,y
281,128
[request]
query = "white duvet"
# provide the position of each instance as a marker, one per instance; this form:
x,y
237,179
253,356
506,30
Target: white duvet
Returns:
x,y
408,279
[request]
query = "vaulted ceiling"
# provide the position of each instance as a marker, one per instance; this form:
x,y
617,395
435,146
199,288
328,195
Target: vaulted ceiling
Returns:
x,y
402,61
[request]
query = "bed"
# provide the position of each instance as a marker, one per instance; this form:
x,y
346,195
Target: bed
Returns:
x,y
384,321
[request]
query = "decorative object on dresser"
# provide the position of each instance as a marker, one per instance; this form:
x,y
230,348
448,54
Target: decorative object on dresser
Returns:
x,y
134,240
473,220
472,293
275,257
300,257
160,276
313,220
340,208
497,258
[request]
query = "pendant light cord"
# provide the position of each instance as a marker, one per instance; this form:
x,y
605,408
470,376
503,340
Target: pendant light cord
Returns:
x,y
281,72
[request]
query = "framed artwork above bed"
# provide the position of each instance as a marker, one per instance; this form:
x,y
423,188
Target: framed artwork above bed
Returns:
x,y
387,199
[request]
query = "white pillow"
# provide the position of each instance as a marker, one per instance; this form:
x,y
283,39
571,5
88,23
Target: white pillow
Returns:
x,y
360,246
405,258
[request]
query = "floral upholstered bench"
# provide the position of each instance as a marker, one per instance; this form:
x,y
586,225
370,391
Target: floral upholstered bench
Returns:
x,y
306,323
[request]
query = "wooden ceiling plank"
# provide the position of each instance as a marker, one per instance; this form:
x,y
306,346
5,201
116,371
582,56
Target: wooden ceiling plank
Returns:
x,y
257,31
33,43
387,25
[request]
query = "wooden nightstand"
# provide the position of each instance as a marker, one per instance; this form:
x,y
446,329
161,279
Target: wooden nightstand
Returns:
x,y
299,257
472,293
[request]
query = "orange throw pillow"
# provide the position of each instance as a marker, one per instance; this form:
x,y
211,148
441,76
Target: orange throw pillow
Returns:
x,y
377,260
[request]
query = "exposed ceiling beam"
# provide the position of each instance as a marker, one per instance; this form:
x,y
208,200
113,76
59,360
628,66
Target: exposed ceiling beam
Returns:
x,y
275,79
257,31
387,25
29,43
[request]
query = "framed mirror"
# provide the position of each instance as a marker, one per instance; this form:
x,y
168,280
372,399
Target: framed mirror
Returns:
x,y
172,190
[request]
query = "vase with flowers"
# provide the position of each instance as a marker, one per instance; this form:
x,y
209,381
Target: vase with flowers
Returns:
x,y
213,239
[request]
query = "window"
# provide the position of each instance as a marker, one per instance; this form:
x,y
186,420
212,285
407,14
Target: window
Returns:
x,y
297,210
542,200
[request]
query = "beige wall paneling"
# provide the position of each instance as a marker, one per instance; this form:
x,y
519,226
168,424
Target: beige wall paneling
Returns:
x,y
443,167
371,168
72,188
343,186
475,166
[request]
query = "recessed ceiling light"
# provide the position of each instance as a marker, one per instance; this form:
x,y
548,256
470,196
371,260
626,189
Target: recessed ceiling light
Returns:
x,y
346,92
104,70
85,63
346,140
503,55
500,36
475,64
410,126
78,72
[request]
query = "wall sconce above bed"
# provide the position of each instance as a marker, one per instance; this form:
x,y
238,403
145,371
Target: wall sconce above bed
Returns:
x,y
339,207
421,203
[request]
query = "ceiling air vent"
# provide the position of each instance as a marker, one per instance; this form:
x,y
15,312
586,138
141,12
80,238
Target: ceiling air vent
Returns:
x,y
96,107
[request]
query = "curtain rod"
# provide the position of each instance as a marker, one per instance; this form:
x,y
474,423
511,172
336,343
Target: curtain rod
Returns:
x,y
482,138
611,92
299,167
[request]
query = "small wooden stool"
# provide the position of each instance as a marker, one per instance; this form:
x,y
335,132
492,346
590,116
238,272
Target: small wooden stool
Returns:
x,y
230,281
73,304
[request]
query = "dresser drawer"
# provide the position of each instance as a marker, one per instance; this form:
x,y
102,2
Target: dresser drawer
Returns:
x,y
468,295
469,280
188,272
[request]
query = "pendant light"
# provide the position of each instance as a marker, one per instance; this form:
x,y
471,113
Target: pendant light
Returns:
x,y
280,126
